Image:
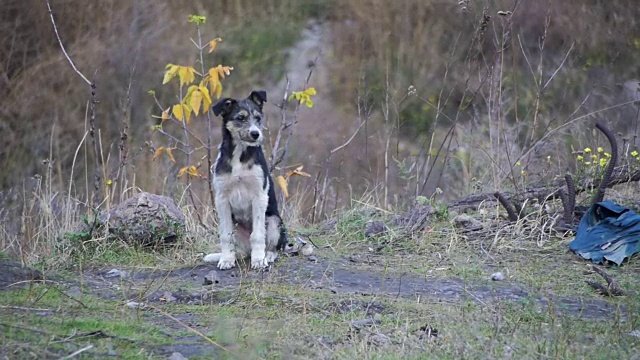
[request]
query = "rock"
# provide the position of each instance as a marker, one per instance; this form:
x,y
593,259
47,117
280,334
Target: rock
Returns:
x,y
416,219
465,221
211,278
374,227
13,273
168,297
379,340
177,356
136,305
306,250
115,273
497,276
146,219
312,258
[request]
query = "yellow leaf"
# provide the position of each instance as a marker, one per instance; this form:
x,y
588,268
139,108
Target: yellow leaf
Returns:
x,y
309,103
298,172
218,90
187,112
206,98
169,152
282,183
157,153
193,171
195,101
182,171
171,72
223,70
214,81
310,91
213,43
177,112
186,74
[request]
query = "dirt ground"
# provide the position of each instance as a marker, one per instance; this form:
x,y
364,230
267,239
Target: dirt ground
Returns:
x,y
329,305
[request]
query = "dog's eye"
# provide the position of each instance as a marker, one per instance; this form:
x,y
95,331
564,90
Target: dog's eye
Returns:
x,y
258,118
240,118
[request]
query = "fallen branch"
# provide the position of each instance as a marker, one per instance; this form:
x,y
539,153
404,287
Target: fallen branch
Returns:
x,y
612,288
621,175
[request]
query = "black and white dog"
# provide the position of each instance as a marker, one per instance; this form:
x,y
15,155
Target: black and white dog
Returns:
x,y
245,198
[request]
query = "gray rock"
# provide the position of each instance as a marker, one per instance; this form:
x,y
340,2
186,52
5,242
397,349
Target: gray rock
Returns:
x,y
497,276
466,221
136,305
146,219
211,278
115,273
374,227
177,356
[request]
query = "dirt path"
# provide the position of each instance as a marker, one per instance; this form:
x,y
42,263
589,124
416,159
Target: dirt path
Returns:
x,y
335,276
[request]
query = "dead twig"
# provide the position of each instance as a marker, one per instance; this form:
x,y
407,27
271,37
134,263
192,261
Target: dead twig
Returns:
x,y
77,352
189,328
612,288
92,112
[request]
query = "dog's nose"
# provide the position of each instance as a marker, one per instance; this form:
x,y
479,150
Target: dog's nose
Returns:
x,y
255,134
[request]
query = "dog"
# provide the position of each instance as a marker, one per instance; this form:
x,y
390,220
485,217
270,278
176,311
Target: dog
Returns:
x,y
245,199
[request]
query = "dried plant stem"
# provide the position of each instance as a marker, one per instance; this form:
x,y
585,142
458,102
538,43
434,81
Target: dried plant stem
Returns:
x,y
209,128
92,112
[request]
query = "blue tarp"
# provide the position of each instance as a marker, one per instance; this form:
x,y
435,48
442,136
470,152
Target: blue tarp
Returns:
x,y
607,231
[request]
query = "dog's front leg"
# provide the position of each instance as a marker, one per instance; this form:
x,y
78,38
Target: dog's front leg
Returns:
x,y
225,230
258,233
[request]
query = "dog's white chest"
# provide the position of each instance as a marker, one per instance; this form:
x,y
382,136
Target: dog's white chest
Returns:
x,y
241,187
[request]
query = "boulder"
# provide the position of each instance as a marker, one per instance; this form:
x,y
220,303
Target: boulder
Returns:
x,y
146,219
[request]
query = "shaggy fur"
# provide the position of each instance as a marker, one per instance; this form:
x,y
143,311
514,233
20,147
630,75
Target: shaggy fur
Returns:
x,y
250,223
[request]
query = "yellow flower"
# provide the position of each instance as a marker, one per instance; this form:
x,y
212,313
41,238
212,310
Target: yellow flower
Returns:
x,y
579,158
600,149
603,162
594,156
634,153
523,173
587,162
607,155
109,182
518,163
587,150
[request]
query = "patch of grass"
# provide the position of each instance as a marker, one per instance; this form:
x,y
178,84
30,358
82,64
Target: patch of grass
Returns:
x,y
41,322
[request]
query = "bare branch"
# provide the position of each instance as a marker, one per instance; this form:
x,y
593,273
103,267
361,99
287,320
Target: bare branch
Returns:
x,y
55,29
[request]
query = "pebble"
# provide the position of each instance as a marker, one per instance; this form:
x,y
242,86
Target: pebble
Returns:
x,y
211,278
136,305
116,273
498,276
177,356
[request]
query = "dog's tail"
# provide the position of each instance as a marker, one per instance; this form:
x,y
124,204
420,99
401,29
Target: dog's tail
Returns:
x,y
212,258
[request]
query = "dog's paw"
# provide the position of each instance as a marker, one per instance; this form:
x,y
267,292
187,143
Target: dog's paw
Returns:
x,y
259,262
227,261
212,258
271,256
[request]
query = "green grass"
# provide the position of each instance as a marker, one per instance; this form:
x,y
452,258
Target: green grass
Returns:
x,y
267,318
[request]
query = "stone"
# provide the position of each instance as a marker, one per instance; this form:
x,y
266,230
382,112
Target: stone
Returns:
x,y
146,219
497,276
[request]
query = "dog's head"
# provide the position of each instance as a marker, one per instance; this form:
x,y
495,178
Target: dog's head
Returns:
x,y
243,118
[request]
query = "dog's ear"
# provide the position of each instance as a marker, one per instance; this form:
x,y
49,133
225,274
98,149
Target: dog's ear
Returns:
x,y
258,97
223,106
